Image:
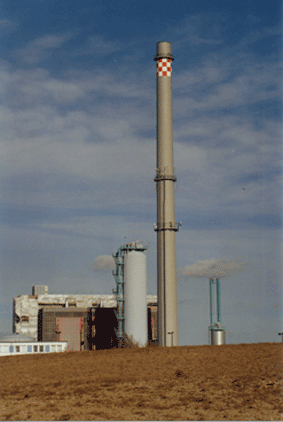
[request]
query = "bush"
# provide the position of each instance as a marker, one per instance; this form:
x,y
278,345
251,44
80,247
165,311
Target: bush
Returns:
x,y
129,343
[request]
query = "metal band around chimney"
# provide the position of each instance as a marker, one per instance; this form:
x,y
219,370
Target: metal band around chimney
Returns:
x,y
167,226
165,177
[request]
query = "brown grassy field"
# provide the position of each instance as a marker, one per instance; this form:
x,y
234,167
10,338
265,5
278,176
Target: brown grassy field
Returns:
x,y
229,382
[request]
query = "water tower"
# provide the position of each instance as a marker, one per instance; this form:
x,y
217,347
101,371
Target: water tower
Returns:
x,y
216,331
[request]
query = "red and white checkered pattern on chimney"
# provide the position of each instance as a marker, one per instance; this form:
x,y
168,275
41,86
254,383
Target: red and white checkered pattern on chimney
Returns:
x,y
164,67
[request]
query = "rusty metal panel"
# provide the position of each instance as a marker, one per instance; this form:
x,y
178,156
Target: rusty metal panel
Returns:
x,y
153,322
47,323
69,329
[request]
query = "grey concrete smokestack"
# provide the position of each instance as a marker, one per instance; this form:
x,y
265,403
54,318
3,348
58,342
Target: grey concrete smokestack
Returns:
x,y
165,178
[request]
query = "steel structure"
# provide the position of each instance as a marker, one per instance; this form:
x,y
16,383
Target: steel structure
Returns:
x,y
216,331
119,278
165,178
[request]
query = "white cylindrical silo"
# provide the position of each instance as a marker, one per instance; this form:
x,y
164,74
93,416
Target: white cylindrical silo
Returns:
x,y
135,289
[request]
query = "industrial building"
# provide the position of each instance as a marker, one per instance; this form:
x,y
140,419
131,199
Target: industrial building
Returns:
x,y
86,321
103,321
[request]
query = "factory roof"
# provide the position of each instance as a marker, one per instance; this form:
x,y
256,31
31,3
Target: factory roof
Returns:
x,y
19,338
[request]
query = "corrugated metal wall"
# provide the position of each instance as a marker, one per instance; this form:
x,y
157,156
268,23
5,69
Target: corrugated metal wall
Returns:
x,y
48,329
152,323
70,329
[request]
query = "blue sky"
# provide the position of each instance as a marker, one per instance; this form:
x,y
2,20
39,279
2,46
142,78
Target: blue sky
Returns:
x,y
78,150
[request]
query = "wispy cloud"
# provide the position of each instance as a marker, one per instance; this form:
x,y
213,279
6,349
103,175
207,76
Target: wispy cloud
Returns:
x,y
39,49
53,129
192,30
4,23
212,268
258,35
98,46
223,89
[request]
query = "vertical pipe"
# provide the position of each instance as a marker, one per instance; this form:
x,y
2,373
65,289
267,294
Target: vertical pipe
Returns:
x,y
166,255
211,300
218,300
119,293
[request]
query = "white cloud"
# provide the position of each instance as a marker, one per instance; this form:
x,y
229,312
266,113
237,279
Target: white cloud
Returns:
x,y
103,263
37,87
212,268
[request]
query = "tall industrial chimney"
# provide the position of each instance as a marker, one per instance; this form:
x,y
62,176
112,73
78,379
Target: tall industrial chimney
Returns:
x,y
167,321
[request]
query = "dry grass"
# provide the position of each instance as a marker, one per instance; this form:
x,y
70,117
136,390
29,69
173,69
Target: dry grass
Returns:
x,y
230,382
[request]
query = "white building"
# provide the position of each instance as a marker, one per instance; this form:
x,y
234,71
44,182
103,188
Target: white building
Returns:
x,y
17,344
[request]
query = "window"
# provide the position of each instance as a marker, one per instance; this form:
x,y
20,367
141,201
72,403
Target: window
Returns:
x,y
29,349
35,349
53,348
59,348
11,349
25,318
47,348
41,349
18,349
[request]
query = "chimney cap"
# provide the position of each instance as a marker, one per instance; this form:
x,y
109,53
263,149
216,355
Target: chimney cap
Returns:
x,y
163,51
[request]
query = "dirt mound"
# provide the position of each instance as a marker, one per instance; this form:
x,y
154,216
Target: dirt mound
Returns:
x,y
229,382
